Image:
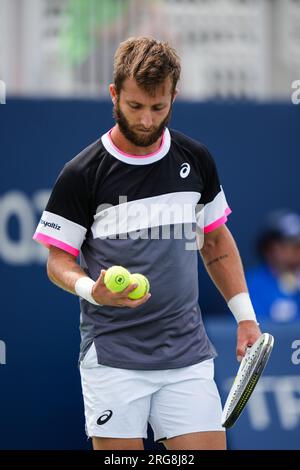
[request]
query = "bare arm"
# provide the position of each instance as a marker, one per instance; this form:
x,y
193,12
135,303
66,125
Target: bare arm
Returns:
x,y
223,263
63,271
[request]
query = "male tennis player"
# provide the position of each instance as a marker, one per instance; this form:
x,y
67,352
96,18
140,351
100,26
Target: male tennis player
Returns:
x,y
132,199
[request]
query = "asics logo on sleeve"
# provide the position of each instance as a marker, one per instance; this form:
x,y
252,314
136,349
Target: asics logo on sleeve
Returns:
x,y
185,170
106,415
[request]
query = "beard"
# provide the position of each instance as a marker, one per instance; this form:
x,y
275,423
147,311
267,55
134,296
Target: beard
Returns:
x,y
139,138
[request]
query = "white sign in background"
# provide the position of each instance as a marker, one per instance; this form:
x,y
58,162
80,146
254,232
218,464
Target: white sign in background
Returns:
x,y
26,210
2,92
2,352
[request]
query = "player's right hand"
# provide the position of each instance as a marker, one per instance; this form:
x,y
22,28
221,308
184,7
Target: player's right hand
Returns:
x,y
104,296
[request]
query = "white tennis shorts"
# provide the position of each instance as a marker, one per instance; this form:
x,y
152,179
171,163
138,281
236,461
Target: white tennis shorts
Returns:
x,y
119,403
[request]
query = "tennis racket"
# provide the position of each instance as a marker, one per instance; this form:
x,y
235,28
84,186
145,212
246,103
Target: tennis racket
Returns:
x,y
250,370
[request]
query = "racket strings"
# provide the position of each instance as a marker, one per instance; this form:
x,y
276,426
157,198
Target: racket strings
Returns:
x,y
246,395
251,363
238,393
247,378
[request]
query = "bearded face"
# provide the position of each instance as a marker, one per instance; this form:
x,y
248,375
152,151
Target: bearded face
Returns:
x,y
136,133
141,117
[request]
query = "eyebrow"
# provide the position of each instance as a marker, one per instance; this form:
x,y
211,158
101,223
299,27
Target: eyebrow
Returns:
x,y
140,104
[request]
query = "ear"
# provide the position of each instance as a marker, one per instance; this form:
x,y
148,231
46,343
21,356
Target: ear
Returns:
x,y
175,94
113,93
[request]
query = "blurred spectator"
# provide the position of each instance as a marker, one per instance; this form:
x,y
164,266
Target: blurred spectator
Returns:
x,y
274,285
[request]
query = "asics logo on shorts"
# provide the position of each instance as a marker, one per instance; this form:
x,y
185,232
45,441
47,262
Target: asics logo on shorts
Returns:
x,y
185,170
106,415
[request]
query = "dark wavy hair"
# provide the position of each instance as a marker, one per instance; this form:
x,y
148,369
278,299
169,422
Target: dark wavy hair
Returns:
x,y
148,61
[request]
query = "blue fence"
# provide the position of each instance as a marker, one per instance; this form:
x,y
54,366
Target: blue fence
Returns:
x,y
271,419
256,150
41,404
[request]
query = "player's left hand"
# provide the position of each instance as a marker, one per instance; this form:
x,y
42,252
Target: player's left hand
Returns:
x,y
247,333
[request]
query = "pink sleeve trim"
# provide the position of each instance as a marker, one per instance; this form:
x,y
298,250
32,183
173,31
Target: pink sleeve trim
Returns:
x,y
217,223
49,241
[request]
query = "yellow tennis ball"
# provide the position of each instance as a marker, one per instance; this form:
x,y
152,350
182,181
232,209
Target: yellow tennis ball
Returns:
x,y
117,278
142,288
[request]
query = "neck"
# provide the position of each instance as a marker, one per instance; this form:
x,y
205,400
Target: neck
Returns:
x,y
126,146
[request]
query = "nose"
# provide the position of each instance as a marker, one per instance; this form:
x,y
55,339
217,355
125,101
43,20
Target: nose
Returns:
x,y
146,120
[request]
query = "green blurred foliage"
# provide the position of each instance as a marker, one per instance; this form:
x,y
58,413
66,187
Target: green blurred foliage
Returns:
x,y
83,18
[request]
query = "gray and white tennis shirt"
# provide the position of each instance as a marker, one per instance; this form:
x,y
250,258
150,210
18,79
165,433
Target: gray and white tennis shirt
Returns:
x,y
140,212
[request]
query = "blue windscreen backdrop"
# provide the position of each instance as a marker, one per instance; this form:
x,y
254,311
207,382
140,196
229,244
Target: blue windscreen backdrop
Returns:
x,y
256,148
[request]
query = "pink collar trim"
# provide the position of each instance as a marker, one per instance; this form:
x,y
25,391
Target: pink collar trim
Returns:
x,y
136,156
138,159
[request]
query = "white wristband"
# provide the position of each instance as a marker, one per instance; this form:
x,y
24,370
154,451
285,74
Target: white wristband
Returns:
x,y
83,288
242,308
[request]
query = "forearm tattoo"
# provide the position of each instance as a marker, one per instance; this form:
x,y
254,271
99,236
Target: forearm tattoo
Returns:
x,y
217,259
